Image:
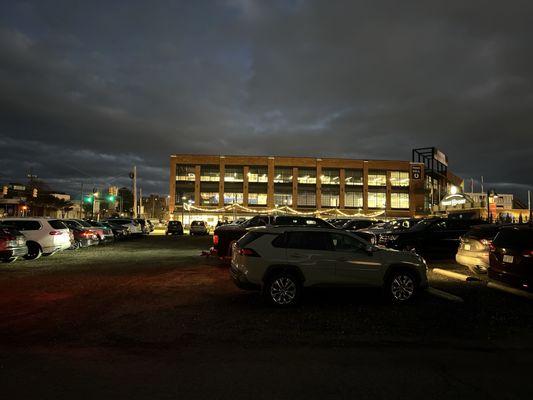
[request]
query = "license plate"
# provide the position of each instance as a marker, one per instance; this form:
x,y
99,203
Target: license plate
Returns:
x,y
508,259
467,247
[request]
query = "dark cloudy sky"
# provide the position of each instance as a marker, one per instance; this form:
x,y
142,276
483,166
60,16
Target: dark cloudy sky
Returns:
x,y
89,88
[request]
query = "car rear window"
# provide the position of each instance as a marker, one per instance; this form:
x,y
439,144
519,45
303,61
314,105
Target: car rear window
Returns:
x,y
57,224
197,223
24,225
515,238
177,223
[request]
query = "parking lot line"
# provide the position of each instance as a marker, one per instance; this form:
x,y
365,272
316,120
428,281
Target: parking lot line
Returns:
x,y
508,289
444,295
455,275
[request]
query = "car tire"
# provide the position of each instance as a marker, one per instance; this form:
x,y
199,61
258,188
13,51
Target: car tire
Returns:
x,y
34,251
282,289
401,286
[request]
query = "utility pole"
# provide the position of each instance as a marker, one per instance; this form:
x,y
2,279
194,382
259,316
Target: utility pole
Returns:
x,y
529,206
482,185
81,201
134,191
472,185
140,202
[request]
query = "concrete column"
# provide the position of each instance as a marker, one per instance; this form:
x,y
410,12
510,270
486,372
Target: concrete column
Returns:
x,y
172,187
197,173
342,188
318,184
294,187
246,169
221,182
270,187
387,195
365,186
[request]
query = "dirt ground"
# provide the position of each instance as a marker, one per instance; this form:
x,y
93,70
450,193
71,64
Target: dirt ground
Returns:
x,y
154,309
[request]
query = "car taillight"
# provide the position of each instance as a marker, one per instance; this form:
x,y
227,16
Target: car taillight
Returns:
x,y
55,233
248,253
215,239
528,253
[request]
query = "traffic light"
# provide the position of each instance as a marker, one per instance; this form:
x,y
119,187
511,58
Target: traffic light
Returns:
x,y
111,198
88,199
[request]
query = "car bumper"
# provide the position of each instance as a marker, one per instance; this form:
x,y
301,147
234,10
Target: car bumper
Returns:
x,y
481,261
512,279
107,238
13,252
240,280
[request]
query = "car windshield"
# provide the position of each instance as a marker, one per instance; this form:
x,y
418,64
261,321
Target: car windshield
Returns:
x,y
57,224
425,223
485,232
84,223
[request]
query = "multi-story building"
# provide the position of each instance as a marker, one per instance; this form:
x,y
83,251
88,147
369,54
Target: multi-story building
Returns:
x,y
211,183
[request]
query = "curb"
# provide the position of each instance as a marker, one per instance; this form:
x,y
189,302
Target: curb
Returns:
x,y
511,290
455,275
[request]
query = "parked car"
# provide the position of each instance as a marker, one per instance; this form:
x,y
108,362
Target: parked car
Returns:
x,y
511,257
118,230
43,236
105,234
198,228
145,227
12,244
431,238
81,235
133,226
374,232
283,260
356,224
474,248
225,235
174,228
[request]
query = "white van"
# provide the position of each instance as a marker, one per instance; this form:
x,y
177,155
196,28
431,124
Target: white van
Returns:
x,y
43,236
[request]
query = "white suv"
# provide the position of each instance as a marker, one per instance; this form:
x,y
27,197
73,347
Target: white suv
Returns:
x,y
43,236
283,260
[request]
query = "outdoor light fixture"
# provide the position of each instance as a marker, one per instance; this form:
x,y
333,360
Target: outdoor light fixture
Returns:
x,y
454,190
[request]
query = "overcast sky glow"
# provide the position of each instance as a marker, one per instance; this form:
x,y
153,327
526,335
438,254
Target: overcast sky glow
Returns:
x,y
89,88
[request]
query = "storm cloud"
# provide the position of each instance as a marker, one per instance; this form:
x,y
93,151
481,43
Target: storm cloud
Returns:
x,y
88,89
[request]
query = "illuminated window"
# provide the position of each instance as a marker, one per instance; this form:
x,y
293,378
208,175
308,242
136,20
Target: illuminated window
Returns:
x,y
257,199
353,198
230,198
399,200
306,198
258,174
329,197
377,178
283,199
233,174
306,175
399,178
377,199
353,177
185,173
330,177
209,173
209,198
282,175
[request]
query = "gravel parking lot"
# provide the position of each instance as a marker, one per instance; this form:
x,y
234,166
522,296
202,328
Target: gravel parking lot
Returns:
x,y
154,304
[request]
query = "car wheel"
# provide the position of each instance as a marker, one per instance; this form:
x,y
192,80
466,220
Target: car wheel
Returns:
x,y
76,245
283,290
34,251
402,286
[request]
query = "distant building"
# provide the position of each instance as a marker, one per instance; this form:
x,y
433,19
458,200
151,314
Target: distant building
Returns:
x,y
202,186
